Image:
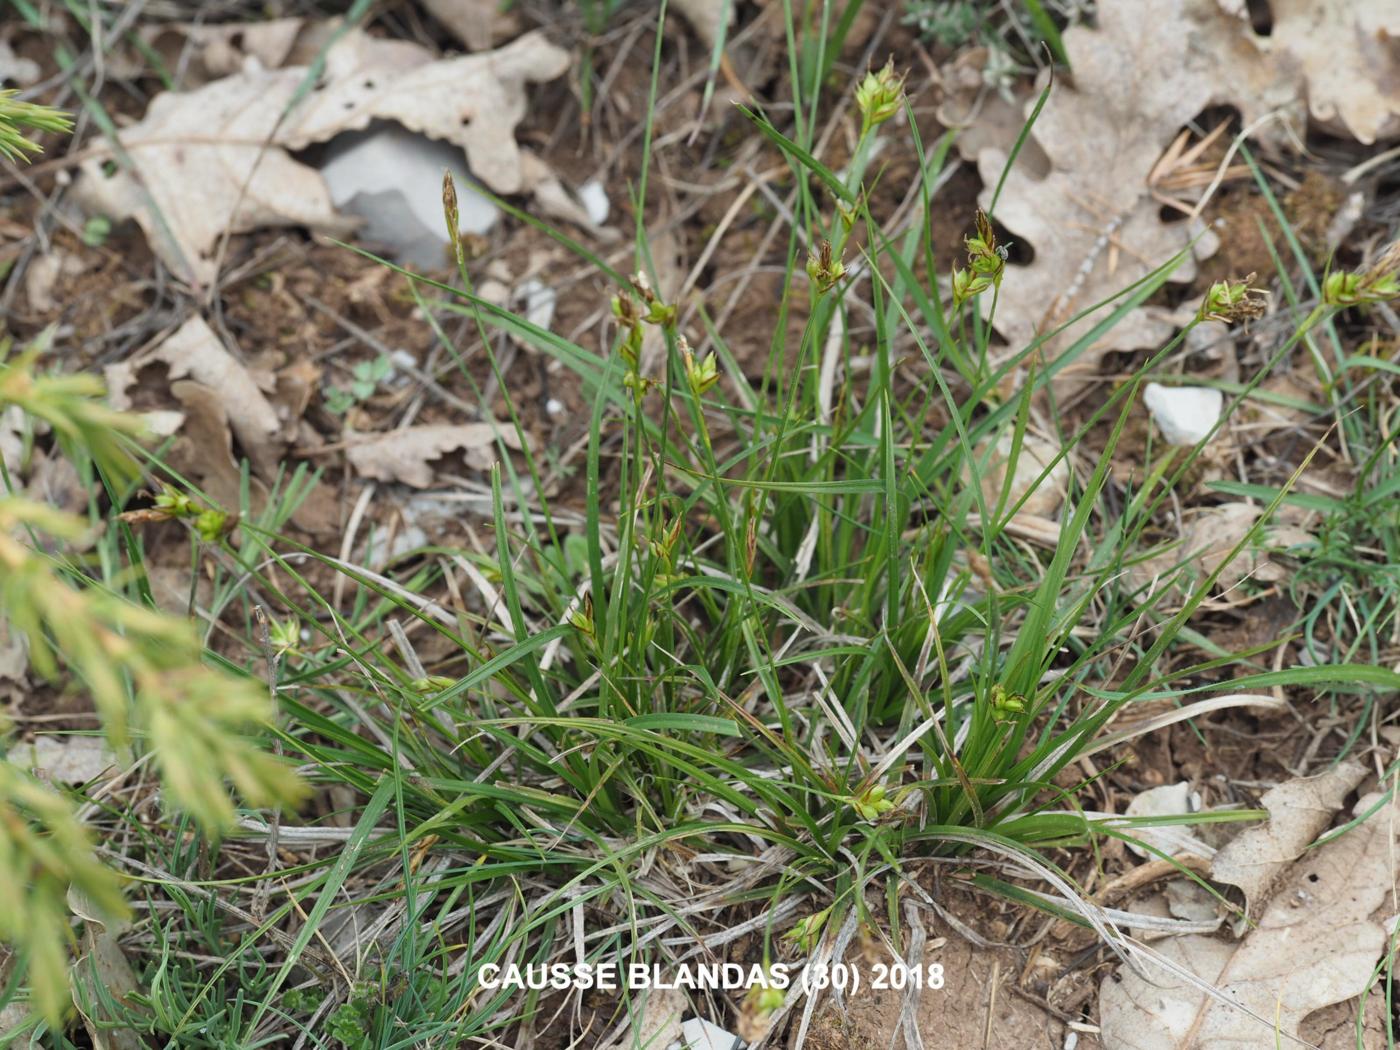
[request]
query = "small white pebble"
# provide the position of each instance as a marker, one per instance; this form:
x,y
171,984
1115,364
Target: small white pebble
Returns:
x,y
594,199
554,406
1185,414
539,300
699,1034
403,359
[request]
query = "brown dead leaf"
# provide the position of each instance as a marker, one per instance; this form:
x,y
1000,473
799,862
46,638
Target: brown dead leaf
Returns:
x,y
1042,500
655,1020
207,51
1298,812
102,975
1091,220
216,158
193,351
1207,539
1317,944
200,164
204,450
479,24
54,480
1085,192
40,279
1349,54
222,398
983,117
404,455
296,384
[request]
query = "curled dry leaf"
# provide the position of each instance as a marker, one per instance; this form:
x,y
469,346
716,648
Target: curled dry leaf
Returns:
x,y
1206,543
105,976
655,1021
405,455
203,452
217,158
1349,54
1298,812
1316,944
194,352
478,24
220,398
1036,454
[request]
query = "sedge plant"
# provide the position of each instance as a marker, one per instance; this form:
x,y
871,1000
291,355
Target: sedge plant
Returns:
x,y
790,631
784,648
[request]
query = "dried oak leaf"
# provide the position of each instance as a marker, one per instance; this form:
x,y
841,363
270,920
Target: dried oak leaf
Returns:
x,y
479,24
217,158
205,51
194,352
1207,539
1298,812
204,452
218,397
1091,219
200,164
1316,944
1347,52
405,455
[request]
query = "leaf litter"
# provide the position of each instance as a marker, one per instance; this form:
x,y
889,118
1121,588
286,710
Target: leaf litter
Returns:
x,y
219,158
1315,944
1107,151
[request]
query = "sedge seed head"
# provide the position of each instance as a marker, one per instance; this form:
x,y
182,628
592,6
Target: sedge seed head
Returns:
x,y
880,95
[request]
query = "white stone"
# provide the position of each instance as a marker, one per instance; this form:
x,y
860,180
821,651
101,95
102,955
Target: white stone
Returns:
x,y
539,300
1185,414
701,1035
594,199
392,178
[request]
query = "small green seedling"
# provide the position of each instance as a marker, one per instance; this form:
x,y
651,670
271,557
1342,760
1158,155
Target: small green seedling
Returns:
x,y
367,376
